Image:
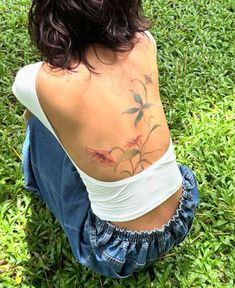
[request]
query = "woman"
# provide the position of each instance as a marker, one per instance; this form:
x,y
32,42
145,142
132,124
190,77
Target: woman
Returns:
x,y
98,150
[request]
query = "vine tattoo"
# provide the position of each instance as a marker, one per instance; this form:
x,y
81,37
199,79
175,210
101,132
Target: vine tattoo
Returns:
x,y
134,151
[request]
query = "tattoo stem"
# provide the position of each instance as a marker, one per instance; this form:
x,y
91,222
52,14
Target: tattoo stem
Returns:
x,y
142,148
145,90
132,167
146,123
151,151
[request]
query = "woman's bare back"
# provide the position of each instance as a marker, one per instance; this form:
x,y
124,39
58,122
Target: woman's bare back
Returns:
x,y
111,124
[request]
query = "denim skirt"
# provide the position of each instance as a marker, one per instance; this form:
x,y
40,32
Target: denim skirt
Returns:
x,y
97,244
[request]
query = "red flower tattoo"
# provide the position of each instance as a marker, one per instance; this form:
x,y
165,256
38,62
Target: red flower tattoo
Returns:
x,y
134,142
101,157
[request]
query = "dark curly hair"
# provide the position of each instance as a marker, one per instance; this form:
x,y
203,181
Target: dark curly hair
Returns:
x,y
63,29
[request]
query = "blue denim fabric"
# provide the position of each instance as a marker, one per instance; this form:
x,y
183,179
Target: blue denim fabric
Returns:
x,y
97,244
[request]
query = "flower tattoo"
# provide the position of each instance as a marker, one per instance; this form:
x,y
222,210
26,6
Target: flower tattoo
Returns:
x,y
148,79
101,157
134,142
133,152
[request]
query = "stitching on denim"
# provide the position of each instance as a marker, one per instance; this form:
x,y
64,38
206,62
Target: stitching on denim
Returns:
x,y
48,179
136,263
73,228
108,257
88,258
116,261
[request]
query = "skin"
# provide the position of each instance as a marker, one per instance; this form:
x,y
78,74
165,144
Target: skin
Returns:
x,y
88,113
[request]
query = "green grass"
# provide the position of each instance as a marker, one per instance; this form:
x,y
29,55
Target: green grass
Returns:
x,y
196,52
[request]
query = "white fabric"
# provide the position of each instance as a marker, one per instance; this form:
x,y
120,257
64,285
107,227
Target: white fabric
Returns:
x,y
113,201
150,36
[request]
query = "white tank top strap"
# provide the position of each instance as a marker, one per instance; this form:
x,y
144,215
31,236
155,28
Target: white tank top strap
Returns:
x,y
150,36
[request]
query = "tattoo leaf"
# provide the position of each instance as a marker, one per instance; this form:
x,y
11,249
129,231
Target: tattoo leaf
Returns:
x,y
147,105
155,127
137,98
128,172
132,110
128,155
138,117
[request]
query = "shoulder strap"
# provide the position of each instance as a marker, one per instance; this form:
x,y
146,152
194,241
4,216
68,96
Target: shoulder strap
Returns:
x,y
24,88
150,36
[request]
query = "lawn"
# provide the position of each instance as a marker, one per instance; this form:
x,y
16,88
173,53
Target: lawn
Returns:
x,y
196,52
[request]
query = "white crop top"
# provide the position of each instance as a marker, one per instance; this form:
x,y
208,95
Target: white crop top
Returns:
x,y
116,201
